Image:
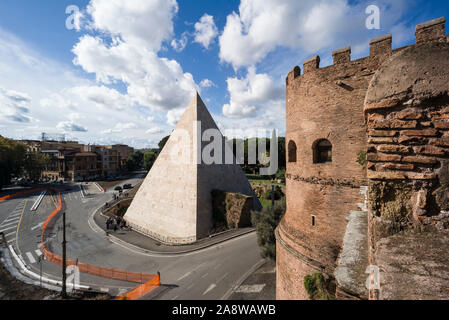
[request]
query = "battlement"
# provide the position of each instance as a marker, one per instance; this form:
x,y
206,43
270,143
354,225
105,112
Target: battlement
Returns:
x,y
380,47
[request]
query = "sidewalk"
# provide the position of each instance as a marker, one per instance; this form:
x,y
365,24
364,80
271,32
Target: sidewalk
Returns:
x,y
135,240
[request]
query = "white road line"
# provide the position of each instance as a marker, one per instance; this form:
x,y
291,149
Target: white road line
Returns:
x,y
7,224
190,272
211,287
37,226
38,252
191,286
175,298
204,275
10,234
15,214
254,288
9,228
30,257
221,279
13,219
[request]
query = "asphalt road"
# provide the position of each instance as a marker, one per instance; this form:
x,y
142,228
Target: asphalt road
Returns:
x,y
208,274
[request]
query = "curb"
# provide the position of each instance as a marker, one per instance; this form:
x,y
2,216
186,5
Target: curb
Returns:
x,y
243,278
133,247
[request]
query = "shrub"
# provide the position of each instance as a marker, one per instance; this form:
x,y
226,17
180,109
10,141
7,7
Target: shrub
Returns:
x,y
361,159
316,287
265,222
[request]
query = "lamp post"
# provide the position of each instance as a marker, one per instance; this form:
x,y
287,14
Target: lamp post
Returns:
x,y
64,259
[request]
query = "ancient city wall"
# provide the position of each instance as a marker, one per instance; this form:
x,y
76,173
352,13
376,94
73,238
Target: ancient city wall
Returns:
x,y
328,103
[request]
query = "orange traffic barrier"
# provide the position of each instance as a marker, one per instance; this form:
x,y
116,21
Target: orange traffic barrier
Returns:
x,y
149,281
18,194
140,290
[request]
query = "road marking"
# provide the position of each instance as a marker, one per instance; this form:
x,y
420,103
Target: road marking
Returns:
x,y
221,279
24,206
7,224
175,298
190,272
204,275
254,288
30,257
15,214
9,228
37,226
191,286
38,252
211,287
10,234
12,219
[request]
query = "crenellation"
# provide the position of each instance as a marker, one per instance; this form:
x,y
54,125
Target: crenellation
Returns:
x,y
433,30
293,74
381,46
312,64
342,55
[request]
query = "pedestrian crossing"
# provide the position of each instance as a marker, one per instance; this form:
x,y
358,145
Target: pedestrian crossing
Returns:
x,y
9,225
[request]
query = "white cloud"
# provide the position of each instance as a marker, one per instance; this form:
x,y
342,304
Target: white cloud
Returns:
x,y
68,126
173,116
137,29
310,25
14,106
56,100
104,97
145,23
120,127
206,83
250,94
155,130
179,45
205,31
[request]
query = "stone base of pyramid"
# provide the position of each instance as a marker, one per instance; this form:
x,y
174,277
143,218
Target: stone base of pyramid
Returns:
x,y
159,237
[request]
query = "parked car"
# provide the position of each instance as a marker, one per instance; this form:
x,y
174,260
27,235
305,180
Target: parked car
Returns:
x,y
128,186
118,188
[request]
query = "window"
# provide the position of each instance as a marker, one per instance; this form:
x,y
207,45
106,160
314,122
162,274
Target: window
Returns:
x,y
322,151
291,151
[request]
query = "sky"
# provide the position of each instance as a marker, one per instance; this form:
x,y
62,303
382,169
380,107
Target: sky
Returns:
x,y
123,71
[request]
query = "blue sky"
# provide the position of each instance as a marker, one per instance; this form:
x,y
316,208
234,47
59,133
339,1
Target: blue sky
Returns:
x,y
129,68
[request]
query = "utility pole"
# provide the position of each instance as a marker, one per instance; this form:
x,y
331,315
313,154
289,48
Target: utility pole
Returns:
x,y
64,259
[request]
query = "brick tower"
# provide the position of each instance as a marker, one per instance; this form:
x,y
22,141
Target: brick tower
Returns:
x,y
325,135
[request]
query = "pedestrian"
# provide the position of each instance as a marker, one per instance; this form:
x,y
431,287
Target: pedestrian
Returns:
x,y
115,227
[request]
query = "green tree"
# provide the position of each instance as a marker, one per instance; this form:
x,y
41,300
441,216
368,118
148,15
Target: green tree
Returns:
x,y
163,142
148,159
12,156
134,161
265,222
34,164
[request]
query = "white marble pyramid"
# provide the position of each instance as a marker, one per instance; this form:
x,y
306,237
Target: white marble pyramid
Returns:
x,y
174,203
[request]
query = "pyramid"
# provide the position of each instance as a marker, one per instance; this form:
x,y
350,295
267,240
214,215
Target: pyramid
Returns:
x,y
174,203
